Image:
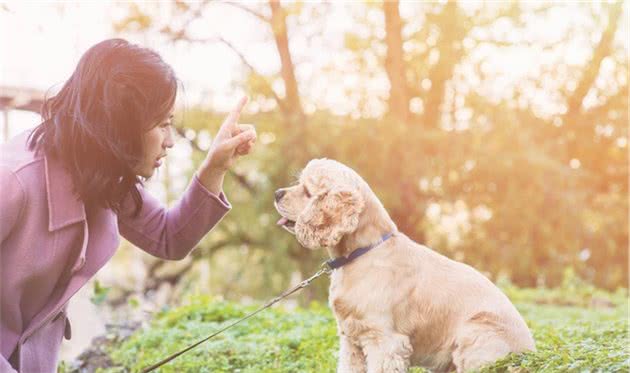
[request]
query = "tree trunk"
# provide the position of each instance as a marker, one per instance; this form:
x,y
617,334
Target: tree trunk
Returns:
x,y
394,62
574,116
279,28
450,52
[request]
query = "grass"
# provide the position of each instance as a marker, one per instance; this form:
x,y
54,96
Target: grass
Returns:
x,y
577,329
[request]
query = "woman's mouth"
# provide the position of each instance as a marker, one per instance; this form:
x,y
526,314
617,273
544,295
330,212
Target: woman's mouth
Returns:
x,y
158,161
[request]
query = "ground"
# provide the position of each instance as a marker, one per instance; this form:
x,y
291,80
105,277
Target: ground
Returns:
x,y
577,329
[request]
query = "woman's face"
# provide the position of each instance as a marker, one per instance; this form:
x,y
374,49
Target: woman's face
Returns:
x,y
156,141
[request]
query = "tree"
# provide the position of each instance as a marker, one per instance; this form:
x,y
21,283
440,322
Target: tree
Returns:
x,y
524,180
394,62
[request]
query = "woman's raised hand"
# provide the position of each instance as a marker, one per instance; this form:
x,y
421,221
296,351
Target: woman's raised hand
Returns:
x,y
232,140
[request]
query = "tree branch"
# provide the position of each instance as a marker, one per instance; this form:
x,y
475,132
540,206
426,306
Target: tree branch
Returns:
x,y
278,24
611,101
592,70
182,36
525,44
279,101
248,10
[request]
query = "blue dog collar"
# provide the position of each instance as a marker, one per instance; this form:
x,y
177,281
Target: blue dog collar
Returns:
x,y
343,260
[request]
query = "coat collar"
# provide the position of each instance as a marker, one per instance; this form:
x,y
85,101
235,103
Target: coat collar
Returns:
x,y
64,206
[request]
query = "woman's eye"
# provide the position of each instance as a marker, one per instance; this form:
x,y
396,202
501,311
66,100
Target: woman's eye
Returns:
x,y
308,195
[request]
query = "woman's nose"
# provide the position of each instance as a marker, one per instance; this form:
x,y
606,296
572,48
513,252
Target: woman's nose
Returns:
x,y
279,193
168,140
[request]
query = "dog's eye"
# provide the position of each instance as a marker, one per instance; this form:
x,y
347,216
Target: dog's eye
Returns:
x,y
308,195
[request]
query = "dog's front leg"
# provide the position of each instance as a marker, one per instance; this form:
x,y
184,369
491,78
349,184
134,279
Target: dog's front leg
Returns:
x,y
351,357
387,353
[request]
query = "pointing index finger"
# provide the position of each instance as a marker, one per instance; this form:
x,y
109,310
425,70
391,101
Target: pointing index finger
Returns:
x,y
234,114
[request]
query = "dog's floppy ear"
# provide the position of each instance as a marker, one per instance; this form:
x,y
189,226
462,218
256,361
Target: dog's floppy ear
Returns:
x,y
328,217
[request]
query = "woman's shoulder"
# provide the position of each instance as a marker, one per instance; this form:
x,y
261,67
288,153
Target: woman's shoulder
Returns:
x,y
15,154
20,166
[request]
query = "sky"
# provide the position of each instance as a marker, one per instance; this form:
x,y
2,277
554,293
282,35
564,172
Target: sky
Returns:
x,y
41,53
42,41
44,53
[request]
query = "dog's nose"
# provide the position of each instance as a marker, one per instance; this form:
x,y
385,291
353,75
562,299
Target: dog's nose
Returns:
x,y
279,193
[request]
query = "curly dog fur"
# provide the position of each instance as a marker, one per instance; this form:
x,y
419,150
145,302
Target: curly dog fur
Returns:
x,y
401,303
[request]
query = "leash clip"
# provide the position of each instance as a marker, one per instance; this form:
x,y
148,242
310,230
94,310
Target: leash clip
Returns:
x,y
326,268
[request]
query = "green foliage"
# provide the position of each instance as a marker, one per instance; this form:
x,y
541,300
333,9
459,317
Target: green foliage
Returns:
x,y
273,341
573,291
100,293
542,215
540,172
136,19
571,339
568,338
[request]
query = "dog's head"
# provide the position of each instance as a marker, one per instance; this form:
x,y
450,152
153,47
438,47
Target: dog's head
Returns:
x,y
324,205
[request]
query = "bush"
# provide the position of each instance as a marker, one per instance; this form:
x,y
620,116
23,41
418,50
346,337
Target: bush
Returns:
x,y
275,340
568,338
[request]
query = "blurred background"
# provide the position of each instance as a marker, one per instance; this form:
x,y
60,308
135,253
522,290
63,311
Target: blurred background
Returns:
x,y
494,133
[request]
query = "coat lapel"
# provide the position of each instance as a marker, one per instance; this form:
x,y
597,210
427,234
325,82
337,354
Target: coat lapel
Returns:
x,y
64,205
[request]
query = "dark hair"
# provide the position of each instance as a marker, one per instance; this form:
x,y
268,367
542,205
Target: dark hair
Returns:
x,y
94,125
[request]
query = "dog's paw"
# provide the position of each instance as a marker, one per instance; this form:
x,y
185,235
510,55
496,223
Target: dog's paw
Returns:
x,y
396,365
351,369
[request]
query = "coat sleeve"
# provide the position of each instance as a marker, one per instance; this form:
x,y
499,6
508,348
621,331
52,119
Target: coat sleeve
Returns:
x,y
12,202
172,233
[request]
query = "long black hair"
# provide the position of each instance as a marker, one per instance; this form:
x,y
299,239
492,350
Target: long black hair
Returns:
x,y
96,122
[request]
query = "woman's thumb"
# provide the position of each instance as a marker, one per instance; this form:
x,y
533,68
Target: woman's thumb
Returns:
x,y
239,139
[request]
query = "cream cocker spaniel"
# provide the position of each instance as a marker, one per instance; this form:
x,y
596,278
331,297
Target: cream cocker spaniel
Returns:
x,y
397,303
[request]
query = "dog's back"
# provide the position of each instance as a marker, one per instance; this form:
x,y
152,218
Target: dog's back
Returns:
x,y
450,312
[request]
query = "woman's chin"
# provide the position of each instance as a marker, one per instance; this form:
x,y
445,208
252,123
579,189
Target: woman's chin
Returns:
x,y
146,172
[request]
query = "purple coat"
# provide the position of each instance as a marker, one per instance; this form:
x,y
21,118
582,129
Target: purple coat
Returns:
x,y
50,246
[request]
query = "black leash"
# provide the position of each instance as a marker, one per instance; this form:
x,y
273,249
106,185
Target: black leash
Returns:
x,y
324,270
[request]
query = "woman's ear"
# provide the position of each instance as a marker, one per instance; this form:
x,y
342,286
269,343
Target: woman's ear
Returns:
x,y
329,217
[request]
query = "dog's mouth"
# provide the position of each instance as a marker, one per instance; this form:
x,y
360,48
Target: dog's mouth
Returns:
x,y
287,224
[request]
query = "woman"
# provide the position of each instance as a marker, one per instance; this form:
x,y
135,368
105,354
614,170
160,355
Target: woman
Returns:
x,y
72,184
